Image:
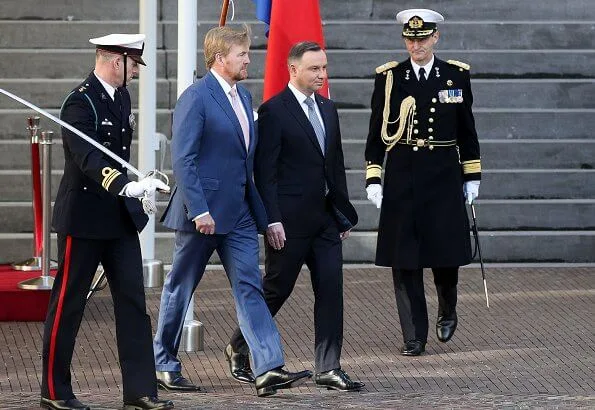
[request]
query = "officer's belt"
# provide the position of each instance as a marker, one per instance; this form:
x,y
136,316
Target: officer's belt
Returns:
x,y
427,143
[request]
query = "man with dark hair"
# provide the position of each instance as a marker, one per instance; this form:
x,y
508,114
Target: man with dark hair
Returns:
x,y
422,122
215,206
97,216
300,174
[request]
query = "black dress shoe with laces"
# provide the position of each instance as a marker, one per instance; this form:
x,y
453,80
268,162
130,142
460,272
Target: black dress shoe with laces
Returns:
x,y
268,383
413,348
144,403
69,404
337,379
239,365
174,381
445,327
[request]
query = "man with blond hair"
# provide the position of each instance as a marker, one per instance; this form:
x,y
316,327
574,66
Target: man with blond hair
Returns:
x,y
215,206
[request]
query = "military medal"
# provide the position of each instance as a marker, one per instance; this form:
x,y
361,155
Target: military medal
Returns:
x,y
451,96
449,83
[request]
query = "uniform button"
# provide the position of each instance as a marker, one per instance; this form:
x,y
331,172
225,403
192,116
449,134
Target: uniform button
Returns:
x,y
109,133
431,110
431,137
430,120
415,148
434,100
430,129
84,188
123,129
416,131
124,148
415,121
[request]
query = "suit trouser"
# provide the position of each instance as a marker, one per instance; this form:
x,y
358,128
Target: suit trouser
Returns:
x,y
411,299
323,254
238,251
78,261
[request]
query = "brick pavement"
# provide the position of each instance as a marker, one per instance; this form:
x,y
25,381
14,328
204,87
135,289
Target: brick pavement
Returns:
x,y
534,348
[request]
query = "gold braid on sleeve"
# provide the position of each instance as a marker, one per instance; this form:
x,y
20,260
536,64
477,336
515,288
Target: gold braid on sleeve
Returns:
x,y
406,113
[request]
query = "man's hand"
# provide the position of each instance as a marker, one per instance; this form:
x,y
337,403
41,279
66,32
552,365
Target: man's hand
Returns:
x,y
146,185
375,194
344,235
471,191
276,236
205,224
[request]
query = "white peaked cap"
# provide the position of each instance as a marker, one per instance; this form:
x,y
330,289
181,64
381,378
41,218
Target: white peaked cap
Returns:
x,y
427,15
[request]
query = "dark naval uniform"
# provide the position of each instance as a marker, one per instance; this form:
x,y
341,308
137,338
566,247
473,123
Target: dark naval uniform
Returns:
x,y
97,225
427,133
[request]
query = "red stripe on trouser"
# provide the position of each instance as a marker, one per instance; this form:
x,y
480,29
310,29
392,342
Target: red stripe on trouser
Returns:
x,y
57,319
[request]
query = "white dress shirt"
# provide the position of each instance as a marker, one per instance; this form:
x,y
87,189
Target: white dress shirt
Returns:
x,y
110,90
426,67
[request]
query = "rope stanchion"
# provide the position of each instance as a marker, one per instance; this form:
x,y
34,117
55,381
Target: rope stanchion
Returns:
x,y
45,281
34,263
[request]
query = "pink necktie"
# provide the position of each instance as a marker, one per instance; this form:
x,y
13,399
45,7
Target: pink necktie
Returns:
x,y
235,104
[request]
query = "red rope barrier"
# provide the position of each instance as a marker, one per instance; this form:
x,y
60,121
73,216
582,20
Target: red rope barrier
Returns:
x,y
37,205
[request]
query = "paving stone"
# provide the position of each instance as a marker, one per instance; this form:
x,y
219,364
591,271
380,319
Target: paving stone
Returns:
x,y
505,357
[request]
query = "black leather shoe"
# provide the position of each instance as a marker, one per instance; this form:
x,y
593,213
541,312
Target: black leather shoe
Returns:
x,y
143,403
413,348
239,365
174,381
337,379
70,404
268,383
445,327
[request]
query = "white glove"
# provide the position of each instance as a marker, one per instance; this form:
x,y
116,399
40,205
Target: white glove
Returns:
x,y
375,194
471,191
145,186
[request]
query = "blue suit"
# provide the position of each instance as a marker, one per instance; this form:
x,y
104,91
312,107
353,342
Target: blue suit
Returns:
x,y
213,172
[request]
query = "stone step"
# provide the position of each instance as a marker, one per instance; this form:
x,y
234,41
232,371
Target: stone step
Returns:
x,y
492,123
338,34
360,247
504,93
496,184
496,154
503,10
69,63
492,214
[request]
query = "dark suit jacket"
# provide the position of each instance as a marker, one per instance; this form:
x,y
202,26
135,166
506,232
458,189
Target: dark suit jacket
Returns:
x,y
87,202
290,169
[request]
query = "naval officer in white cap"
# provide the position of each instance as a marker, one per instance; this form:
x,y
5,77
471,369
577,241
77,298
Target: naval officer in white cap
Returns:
x,y
423,124
97,216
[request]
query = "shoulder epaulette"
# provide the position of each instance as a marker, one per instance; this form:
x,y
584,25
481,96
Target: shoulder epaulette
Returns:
x,y
386,66
459,64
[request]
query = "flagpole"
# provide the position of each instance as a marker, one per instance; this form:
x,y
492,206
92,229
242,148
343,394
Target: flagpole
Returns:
x,y
223,17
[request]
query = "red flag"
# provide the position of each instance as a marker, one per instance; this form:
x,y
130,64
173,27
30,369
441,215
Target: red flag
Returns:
x,y
291,22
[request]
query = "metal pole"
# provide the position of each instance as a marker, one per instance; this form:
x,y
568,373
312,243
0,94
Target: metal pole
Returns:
x,y
147,141
192,334
34,263
45,281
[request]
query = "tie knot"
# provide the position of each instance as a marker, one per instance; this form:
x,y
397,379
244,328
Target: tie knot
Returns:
x,y
233,93
422,71
309,102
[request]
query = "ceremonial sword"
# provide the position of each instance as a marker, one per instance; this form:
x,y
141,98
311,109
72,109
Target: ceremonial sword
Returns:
x,y
478,248
127,165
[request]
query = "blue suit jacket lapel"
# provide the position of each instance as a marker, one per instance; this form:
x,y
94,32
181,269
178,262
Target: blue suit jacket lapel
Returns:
x,y
223,102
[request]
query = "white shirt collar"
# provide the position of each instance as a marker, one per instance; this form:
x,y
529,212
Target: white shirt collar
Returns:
x,y
300,96
109,88
426,67
224,84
